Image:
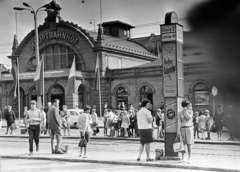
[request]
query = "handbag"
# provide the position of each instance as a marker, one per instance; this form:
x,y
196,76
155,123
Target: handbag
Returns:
x,y
14,126
97,129
23,131
82,143
178,145
213,128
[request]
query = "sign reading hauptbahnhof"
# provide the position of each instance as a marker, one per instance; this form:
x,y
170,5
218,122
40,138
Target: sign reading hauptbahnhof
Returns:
x,y
58,35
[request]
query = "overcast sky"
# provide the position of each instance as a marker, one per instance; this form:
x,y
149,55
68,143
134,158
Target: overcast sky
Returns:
x,y
134,12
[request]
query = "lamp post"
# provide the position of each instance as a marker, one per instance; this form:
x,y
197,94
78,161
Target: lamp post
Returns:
x,y
35,24
93,24
34,12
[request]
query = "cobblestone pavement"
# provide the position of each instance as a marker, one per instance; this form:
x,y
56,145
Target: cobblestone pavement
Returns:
x,y
10,165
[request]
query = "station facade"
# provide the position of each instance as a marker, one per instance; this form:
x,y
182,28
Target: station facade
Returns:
x,y
130,69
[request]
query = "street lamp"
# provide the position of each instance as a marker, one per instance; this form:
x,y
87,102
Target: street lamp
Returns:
x,y
35,24
93,23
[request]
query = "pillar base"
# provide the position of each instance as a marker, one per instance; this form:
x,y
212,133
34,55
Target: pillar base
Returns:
x,y
169,158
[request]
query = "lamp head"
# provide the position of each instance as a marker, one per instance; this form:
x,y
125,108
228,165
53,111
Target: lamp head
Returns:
x,y
19,8
26,4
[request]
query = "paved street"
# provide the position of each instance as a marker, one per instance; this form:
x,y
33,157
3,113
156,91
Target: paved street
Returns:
x,y
103,152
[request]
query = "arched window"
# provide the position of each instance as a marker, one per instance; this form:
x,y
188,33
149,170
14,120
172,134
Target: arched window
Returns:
x,y
201,94
57,56
122,98
33,94
146,92
57,92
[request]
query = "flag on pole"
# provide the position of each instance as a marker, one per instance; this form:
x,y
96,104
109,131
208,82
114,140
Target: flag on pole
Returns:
x,y
38,79
96,78
15,75
70,88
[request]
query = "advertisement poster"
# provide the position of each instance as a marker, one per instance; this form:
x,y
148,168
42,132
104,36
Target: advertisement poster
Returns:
x,y
169,70
171,115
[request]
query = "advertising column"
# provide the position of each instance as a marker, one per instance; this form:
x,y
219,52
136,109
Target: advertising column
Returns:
x,y
172,41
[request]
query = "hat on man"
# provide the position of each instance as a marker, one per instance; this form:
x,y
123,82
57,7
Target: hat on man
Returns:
x,y
33,102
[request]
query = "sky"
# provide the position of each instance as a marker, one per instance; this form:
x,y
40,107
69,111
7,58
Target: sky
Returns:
x,y
144,15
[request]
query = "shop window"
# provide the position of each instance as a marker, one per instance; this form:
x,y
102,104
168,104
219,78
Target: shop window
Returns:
x,y
146,92
201,94
122,98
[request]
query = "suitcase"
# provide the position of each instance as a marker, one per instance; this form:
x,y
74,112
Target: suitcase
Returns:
x,y
23,131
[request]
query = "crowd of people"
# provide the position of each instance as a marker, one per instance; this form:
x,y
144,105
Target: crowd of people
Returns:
x,y
120,123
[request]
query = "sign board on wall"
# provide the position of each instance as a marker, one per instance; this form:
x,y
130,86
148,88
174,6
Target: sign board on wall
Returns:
x,y
169,70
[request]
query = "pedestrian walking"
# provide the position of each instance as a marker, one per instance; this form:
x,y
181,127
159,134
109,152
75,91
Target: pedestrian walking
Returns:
x,y
55,122
195,124
85,128
185,128
26,124
158,122
43,122
33,117
115,124
94,122
230,121
135,123
105,116
65,114
202,121
125,122
109,121
218,120
46,112
10,118
144,119
208,123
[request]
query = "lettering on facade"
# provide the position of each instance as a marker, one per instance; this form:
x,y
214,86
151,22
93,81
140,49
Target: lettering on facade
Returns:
x,y
56,35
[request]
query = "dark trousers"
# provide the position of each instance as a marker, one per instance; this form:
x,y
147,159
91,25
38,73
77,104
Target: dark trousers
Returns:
x,y
57,133
33,135
45,132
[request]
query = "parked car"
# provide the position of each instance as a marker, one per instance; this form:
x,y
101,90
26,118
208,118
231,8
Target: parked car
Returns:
x,y
74,117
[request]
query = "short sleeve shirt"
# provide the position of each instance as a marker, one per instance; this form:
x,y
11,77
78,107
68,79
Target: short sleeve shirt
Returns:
x,y
142,115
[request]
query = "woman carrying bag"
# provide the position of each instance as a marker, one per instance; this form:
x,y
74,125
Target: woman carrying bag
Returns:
x,y
185,128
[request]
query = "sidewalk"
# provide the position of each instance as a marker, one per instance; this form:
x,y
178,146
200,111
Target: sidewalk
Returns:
x,y
121,157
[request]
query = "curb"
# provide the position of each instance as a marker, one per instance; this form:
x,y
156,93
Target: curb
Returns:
x,y
132,139
190,167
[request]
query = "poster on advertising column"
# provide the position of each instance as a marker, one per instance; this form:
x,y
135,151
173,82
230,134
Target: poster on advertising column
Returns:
x,y
169,70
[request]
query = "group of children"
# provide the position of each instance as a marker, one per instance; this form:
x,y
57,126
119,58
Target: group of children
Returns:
x,y
202,124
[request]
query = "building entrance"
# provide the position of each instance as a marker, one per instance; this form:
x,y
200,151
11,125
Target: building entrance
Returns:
x,y
57,92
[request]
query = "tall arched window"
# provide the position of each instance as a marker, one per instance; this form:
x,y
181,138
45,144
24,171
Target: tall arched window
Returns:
x,y
146,92
201,94
122,98
57,56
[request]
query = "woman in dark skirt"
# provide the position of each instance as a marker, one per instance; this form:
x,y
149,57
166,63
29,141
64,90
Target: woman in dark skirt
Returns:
x,y
145,120
218,120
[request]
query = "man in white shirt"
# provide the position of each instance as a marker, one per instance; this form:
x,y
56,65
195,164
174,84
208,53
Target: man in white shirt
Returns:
x,y
33,117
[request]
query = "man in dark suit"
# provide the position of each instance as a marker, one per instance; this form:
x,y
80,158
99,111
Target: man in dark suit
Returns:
x,y
55,125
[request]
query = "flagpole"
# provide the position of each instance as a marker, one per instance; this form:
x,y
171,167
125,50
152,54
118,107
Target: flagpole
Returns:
x,y
19,94
43,80
99,87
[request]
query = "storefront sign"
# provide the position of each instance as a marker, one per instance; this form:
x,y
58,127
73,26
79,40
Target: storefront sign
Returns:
x,y
169,70
58,35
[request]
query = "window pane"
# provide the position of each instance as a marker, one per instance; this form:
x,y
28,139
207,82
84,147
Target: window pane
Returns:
x,y
70,57
48,58
63,51
55,57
